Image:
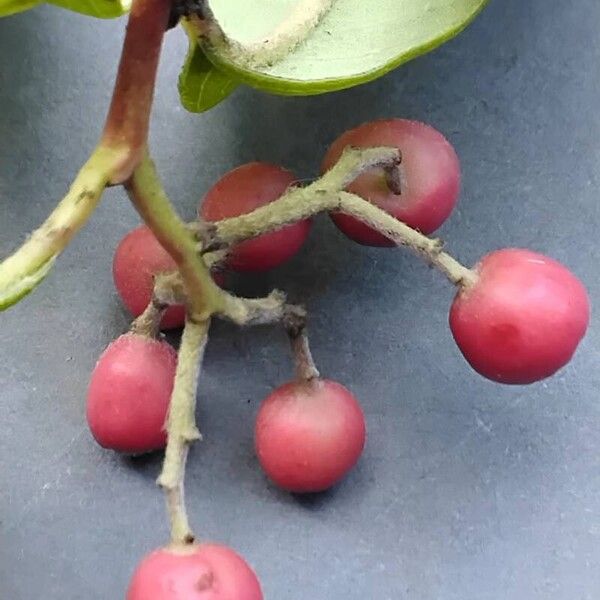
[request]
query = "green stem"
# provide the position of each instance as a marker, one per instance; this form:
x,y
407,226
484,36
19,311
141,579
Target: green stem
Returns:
x,y
111,162
181,427
21,271
150,199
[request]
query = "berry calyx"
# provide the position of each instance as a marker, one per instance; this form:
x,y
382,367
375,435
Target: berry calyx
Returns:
x,y
522,320
308,435
194,572
129,393
429,177
243,190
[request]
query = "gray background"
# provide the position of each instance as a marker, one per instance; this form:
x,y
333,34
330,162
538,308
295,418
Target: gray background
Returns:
x,y
467,490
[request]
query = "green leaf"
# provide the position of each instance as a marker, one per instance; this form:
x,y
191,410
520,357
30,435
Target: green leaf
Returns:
x,y
201,85
13,291
11,7
355,41
103,9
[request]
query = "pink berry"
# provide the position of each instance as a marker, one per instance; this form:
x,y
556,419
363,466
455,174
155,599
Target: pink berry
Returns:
x,y
138,259
309,435
430,177
523,318
243,190
129,394
197,572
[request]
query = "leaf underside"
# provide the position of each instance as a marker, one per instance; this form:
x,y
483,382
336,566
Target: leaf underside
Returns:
x,y
355,42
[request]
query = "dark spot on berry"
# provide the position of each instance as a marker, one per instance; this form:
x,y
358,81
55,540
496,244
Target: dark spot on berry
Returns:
x,y
205,581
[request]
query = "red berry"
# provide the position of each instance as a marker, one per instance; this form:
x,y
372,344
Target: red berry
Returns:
x,y
129,393
309,435
198,572
523,318
243,190
138,259
430,177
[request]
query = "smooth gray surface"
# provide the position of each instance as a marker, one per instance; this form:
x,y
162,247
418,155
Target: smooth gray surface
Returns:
x,y
467,490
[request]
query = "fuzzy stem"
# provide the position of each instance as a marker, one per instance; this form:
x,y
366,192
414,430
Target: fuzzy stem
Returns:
x,y
111,162
403,235
306,370
126,128
147,193
255,311
295,324
275,309
148,323
181,427
302,203
71,213
290,33
326,194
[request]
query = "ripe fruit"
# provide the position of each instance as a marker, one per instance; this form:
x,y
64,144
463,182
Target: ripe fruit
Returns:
x,y
523,318
430,177
138,259
129,393
197,572
308,435
243,190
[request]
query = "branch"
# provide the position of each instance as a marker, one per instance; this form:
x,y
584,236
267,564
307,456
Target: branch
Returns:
x,y
149,197
255,311
274,308
181,427
288,35
326,194
111,162
301,203
126,129
168,290
294,322
403,235
22,271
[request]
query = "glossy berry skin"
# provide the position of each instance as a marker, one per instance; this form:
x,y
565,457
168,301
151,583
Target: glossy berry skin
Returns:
x,y
138,259
198,572
243,190
309,435
430,177
523,318
129,393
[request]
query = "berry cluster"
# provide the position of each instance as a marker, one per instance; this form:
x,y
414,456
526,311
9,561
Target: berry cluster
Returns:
x,y
517,317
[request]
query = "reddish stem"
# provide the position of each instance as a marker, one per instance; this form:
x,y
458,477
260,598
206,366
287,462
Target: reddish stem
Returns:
x,y
126,128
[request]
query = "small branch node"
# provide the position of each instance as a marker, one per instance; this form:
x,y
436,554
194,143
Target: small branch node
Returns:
x,y
294,320
393,177
207,234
